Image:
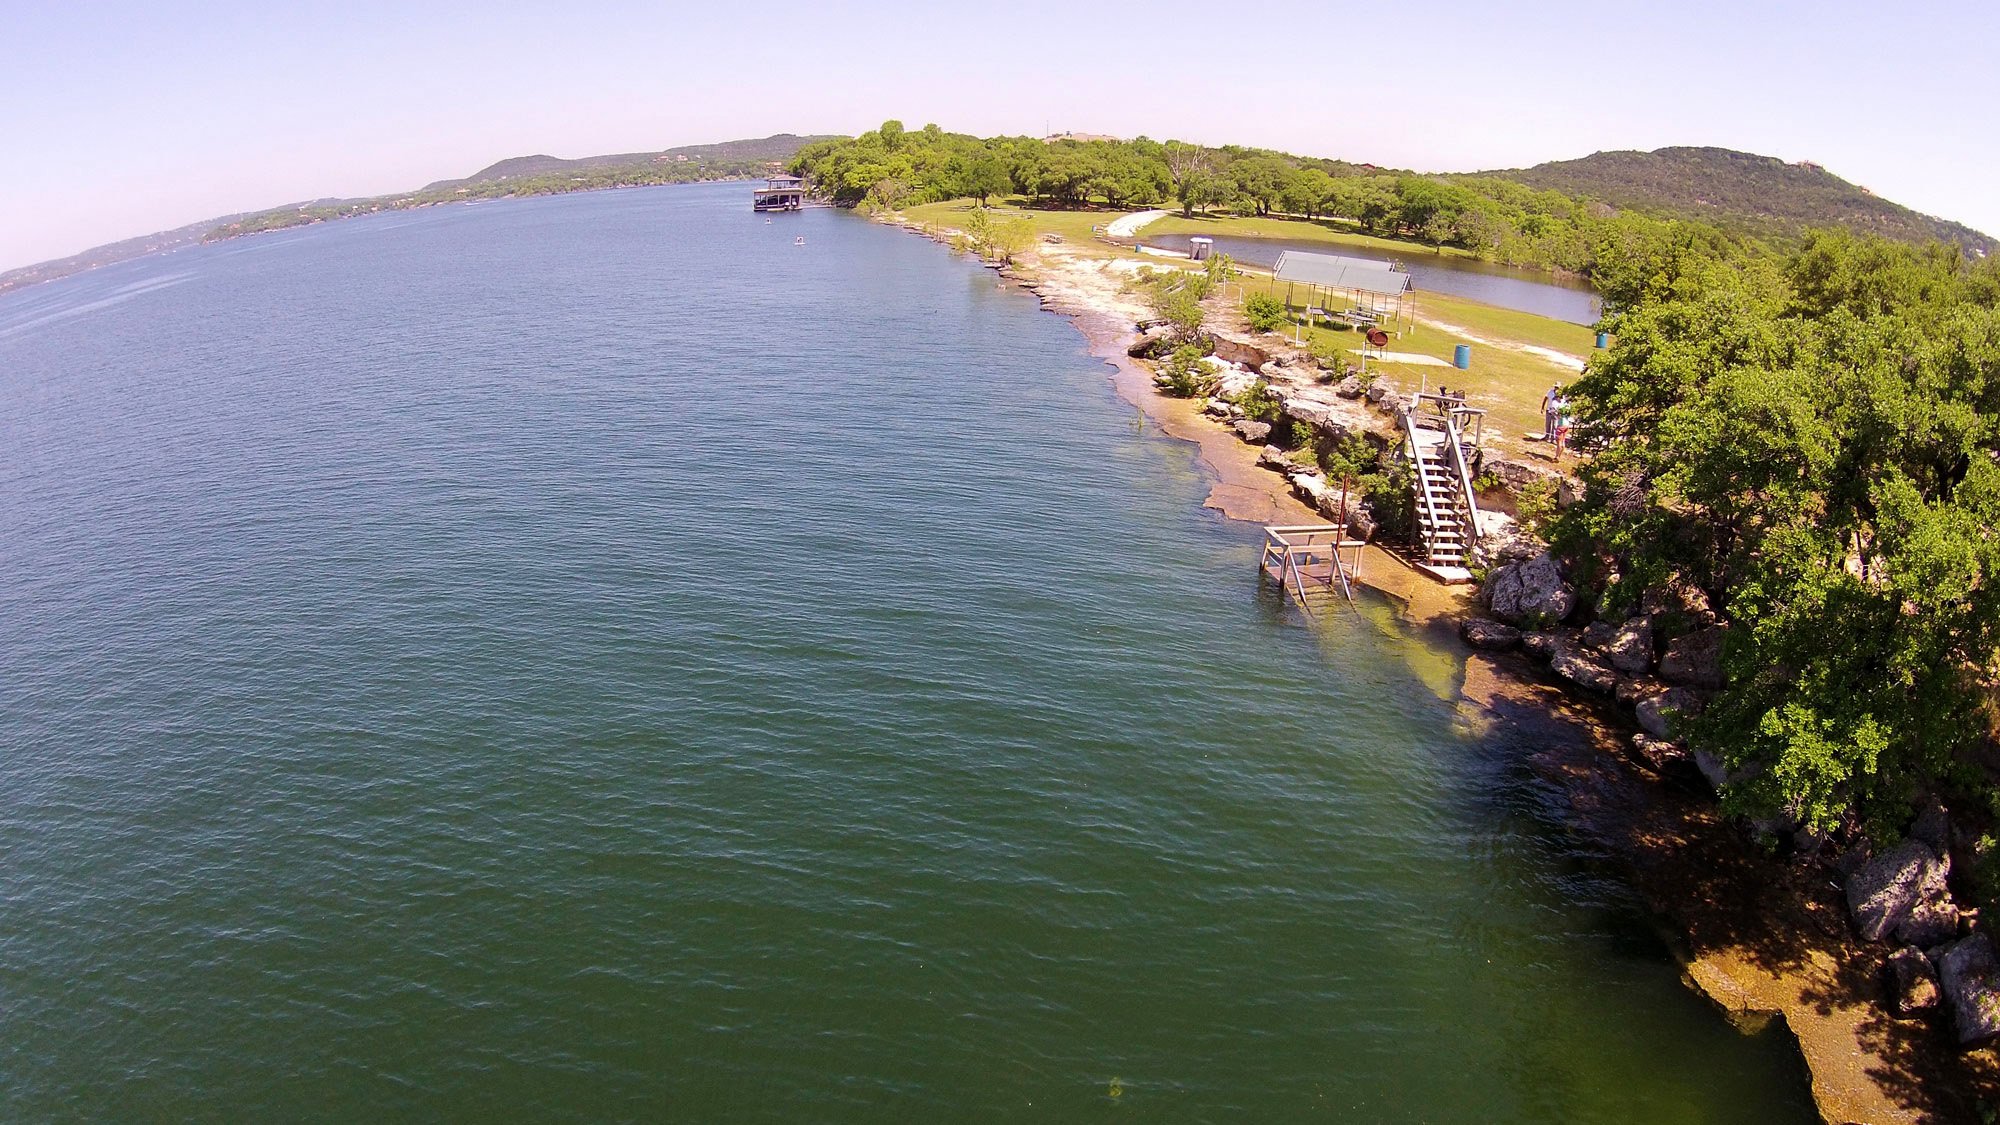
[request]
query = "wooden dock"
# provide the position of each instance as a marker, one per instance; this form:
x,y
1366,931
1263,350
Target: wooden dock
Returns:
x,y
1312,561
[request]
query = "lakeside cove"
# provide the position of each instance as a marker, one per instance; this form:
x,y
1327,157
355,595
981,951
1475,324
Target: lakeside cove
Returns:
x,y
1765,939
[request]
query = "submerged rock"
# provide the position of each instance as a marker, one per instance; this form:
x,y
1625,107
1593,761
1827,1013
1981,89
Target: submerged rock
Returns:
x,y
1486,633
1913,983
1884,890
1530,593
1966,975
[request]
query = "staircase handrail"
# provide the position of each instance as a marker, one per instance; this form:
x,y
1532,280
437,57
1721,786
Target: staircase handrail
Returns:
x,y
1464,478
1420,483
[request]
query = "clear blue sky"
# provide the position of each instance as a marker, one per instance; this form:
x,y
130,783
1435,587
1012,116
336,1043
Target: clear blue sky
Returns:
x,y
119,119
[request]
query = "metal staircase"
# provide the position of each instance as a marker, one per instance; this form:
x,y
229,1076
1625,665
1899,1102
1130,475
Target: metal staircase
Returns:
x,y
1434,431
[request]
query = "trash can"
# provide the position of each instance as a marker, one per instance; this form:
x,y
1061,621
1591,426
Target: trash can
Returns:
x,y
1462,357
1603,340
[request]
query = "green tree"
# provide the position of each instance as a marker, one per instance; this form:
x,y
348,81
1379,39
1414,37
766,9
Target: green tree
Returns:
x,y
986,176
1818,453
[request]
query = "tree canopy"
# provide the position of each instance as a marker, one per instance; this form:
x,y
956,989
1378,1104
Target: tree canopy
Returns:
x,y
1814,446
1494,219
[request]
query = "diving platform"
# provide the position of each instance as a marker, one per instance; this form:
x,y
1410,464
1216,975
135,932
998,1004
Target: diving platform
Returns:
x,y
1312,561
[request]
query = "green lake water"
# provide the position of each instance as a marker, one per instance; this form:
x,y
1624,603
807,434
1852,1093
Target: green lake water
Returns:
x,y
593,658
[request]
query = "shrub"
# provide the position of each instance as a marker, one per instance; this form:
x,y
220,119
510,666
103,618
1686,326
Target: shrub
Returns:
x,y
1388,494
1329,355
1265,312
1535,507
1259,403
1184,375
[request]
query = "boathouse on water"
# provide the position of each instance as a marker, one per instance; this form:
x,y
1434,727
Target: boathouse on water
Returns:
x,y
780,193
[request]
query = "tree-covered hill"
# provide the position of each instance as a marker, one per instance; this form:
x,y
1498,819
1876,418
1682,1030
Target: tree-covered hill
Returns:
x,y
1759,196
773,149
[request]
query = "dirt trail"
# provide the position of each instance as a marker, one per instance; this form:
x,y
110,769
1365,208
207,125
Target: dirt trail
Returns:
x,y
1558,358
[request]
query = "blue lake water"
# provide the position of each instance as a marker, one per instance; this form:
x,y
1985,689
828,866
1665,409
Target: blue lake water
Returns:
x,y
590,657
1485,282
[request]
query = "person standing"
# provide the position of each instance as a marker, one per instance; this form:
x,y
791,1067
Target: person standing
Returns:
x,y
1549,402
1562,425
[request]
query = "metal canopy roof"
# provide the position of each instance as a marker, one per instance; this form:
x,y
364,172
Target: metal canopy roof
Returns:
x,y
1337,271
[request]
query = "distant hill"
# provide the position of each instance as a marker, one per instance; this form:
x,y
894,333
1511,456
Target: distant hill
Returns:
x,y
520,175
773,149
1760,196
111,252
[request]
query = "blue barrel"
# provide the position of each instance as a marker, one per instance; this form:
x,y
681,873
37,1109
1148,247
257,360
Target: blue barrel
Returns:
x,y
1603,340
1462,358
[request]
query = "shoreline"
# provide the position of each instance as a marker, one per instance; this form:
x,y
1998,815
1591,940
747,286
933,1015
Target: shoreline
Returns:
x,y
1761,939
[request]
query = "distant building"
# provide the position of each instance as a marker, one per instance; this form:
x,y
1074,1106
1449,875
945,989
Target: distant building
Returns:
x,y
1054,137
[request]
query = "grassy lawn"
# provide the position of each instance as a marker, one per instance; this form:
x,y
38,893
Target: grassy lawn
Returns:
x,y
1330,231
1074,226
1505,382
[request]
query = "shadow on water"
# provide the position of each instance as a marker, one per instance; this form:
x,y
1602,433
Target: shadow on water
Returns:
x,y
1534,775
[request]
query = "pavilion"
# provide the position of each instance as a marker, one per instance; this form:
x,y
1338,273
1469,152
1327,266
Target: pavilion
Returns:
x,y
1369,291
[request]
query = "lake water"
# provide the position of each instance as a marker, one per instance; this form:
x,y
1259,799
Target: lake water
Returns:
x,y
1509,288
589,657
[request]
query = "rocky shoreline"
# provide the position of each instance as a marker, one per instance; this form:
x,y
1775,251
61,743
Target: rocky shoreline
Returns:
x,y
1764,937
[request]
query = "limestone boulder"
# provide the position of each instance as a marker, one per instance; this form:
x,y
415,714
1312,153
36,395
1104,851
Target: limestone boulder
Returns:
x,y
1659,754
1712,770
1216,408
1695,659
1488,634
1932,921
1933,826
1274,459
1253,432
1883,891
1582,669
1530,593
1350,387
1311,488
1967,972
1636,689
1597,635
1540,645
1516,475
1630,649
1379,389
1655,714
1913,983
